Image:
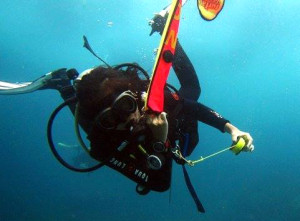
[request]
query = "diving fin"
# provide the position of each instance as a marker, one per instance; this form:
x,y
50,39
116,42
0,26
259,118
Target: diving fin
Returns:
x,y
53,80
22,88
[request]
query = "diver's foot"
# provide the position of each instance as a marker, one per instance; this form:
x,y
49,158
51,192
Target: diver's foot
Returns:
x,y
158,23
142,190
61,78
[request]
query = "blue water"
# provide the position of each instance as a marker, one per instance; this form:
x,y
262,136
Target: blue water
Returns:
x,y
248,63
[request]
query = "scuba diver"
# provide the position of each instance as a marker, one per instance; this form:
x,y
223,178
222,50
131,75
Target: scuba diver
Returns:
x,y
108,102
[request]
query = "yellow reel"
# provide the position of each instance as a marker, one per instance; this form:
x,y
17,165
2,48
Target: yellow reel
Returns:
x,y
238,146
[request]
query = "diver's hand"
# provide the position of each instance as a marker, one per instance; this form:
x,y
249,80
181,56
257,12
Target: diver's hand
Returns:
x,y
235,133
158,124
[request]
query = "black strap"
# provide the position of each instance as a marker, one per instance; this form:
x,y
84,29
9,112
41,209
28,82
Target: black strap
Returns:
x,y
192,190
188,180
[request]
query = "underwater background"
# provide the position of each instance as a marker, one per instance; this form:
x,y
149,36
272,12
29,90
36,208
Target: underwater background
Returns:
x,y
248,63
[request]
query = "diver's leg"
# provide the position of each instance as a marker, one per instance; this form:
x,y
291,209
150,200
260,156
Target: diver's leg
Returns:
x,y
62,82
190,86
183,67
190,89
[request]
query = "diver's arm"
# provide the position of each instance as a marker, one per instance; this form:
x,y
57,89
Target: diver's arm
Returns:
x,y
204,114
186,74
210,117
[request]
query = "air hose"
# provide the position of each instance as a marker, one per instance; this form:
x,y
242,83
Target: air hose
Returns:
x,y
52,146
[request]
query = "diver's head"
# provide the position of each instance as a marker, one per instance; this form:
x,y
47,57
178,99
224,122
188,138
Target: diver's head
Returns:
x,y
110,98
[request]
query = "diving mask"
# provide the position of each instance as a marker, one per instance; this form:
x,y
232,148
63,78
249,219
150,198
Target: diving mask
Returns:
x,y
124,105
